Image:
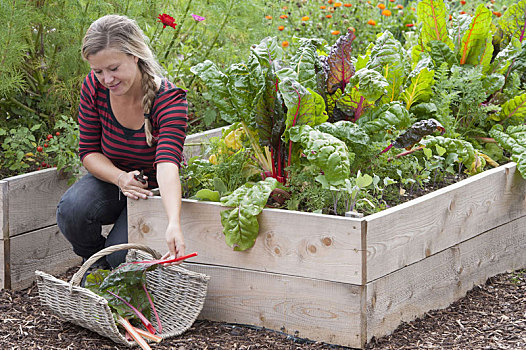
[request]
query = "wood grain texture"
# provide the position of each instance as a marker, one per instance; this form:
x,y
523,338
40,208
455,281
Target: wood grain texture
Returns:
x,y
195,144
33,200
309,308
289,242
4,209
45,249
410,232
441,279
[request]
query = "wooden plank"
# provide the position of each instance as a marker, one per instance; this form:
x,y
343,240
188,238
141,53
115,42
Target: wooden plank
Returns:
x,y
441,279
45,249
195,144
409,232
4,209
289,242
33,199
315,309
5,272
3,275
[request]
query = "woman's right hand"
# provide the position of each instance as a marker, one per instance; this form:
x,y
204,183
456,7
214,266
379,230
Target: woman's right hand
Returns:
x,y
131,187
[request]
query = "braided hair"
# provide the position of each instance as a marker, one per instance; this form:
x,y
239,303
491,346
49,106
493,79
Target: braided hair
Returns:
x,y
124,34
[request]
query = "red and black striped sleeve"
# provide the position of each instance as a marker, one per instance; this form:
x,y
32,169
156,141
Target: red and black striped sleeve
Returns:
x,y
172,116
89,119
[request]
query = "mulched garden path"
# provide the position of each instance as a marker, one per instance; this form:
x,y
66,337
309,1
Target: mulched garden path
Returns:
x,y
492,316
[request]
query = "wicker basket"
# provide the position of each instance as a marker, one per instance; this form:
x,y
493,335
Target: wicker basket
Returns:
x,y
178,295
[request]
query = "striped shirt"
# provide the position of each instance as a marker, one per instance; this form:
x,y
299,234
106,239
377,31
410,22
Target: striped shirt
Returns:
x,y
126,148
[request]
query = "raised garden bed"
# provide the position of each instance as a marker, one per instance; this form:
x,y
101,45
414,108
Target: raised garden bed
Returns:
x,y
344,280
30,237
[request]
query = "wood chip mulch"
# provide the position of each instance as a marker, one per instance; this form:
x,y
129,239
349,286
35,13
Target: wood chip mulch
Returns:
x,y
491,316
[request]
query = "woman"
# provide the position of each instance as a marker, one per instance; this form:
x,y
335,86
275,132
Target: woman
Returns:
x,y
132,122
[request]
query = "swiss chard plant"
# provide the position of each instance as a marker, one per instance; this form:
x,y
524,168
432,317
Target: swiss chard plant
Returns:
x,y
347,117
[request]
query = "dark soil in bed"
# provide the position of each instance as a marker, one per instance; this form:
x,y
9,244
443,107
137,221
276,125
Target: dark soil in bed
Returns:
x,y
491,316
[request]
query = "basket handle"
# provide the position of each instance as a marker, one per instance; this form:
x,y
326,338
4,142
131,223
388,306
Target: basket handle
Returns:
x,y
77,277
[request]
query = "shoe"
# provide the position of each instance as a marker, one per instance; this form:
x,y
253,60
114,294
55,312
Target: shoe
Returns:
x,y
100,264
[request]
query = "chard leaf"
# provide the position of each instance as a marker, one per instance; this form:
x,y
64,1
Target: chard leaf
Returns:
x,y
416,132
269,113
513,110
352,104
340,68
432,15
473,47
207,195
304,106
371,84
349,132
505,57
327,152
513,22
388,117
267,51
460,25
240,224
331,102
420,88
513,141
387,51
493,83
424,110
245,83
440,52
216,82
305,60
387,58
234,92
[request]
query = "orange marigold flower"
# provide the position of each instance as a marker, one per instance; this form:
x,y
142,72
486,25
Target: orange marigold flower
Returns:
x,y
285,44
386,13
369,2
268,17
285,8
413,9
352,29
450,17
381,6
335,32
399,6
497,13
409,25
371,22
323,7
330,1
347,5
462,12
280,28
283,16
305,18
463,2
337,4
392,0
329,16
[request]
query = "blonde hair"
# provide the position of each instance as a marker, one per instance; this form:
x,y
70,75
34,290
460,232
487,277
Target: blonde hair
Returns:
x,y
123,34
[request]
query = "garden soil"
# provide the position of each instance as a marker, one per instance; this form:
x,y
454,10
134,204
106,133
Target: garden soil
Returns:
x,y
491,316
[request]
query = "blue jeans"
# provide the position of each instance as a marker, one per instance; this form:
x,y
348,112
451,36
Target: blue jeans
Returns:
x,y
84,208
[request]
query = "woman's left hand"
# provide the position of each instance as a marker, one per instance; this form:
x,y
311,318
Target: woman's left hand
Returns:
x,y
175,241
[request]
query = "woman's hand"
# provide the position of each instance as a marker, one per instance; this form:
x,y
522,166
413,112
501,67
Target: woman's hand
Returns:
x,y
131,187
175,242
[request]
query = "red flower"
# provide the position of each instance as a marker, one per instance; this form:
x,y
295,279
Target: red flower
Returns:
x,y
409,25
167,20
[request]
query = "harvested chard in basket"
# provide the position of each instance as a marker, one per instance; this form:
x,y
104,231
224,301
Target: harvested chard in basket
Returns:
x,y
128,297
